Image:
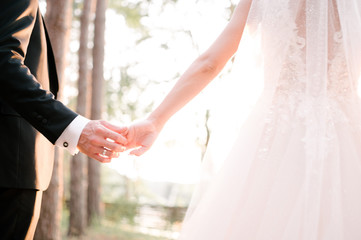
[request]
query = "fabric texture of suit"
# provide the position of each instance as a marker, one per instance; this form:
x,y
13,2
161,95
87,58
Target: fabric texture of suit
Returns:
x,y
31,119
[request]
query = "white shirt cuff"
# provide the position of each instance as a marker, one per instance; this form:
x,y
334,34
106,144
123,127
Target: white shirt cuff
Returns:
x,y
70,137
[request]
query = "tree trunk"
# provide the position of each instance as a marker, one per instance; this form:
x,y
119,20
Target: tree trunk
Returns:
x,y
96,109
58,20
77,207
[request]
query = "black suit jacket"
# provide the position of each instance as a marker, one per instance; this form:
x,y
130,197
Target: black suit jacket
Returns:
x,y
28,84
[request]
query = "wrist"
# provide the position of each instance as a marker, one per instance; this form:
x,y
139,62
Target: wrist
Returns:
x,y
157,122
70,137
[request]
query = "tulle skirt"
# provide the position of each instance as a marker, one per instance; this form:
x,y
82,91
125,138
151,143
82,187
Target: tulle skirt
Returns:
x,y
264,190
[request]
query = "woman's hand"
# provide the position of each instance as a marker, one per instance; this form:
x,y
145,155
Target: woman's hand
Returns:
x,y
141,136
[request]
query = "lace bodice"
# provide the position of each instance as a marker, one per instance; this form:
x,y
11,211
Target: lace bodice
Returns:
x,y
292,81
292,107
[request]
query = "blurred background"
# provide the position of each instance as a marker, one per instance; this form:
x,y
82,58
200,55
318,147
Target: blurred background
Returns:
x,y
116,60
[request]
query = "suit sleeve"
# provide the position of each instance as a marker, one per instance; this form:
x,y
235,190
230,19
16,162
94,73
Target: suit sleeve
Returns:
x,y
18,87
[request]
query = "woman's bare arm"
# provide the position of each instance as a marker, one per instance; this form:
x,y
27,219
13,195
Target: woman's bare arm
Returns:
x,y
201,72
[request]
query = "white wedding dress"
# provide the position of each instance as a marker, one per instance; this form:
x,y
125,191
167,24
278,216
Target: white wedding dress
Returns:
x,y
294,171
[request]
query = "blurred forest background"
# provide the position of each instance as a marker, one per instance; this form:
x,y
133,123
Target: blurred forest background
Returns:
x,y
116,59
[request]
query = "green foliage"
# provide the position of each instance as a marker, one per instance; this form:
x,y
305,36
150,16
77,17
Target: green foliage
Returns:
x,y
121,211
118,102
132,11
174,214
77,10
106,230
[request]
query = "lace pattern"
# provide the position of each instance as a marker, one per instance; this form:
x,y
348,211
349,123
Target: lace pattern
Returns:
x,y
291,106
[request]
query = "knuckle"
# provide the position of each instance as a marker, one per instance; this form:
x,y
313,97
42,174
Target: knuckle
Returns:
x,y
93,141
117,149
114,147
120,139
93,150
98,130
112,135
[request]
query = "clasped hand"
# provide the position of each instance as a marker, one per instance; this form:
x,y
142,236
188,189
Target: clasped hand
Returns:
x,y
103,141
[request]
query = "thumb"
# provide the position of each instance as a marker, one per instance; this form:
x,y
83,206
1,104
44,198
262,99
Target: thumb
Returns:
x,y
139,151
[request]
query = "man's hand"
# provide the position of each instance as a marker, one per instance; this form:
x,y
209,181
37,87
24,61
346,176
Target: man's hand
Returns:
x,y
141,135
102,141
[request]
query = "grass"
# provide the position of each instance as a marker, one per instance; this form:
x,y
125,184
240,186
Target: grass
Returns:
x,y
112,233
107,230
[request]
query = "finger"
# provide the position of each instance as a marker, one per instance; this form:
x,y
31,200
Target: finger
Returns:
x,y
128,147
139,151
101,159
103,152
116,155
107,153
116,137
118,129
113,146
98,144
